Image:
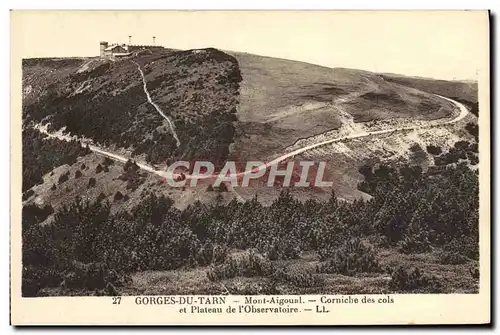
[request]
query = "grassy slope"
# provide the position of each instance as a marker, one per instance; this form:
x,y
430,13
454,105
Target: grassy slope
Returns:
x,y
109,183
41,74
282,101
270,93
195,281
452,89
107,103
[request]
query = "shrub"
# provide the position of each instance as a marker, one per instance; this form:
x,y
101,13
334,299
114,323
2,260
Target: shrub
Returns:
x,y
107,161
255,265
416,239
92,182
98,168
53,188
78,174
279,247
473,159
93,276
415,147
34,279
222,187
434,150
413,280
130,166
473,129
210,253
251,265
460,248
474,272
297,278
118,196
62,178
351,258
41,155
446,257
83,166
33,214
27,194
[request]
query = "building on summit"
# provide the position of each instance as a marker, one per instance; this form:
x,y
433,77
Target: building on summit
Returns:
x,y
123,50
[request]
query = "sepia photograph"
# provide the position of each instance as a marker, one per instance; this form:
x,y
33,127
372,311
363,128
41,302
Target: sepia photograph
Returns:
x,y
221,154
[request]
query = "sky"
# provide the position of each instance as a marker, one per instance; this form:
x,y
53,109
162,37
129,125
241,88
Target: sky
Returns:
x,y
435,44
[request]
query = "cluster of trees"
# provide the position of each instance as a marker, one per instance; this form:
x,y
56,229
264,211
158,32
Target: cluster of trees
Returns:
x,y
206,138
410,210
119,113
41,155
461,151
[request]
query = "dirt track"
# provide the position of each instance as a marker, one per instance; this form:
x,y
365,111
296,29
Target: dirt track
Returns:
x,y
165,174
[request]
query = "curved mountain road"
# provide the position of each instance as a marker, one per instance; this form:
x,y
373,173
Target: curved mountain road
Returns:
x,y
165,174
463,112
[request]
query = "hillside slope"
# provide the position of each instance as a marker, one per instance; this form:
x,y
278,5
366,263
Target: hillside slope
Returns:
x,y
107,103
453,89
228,106
282,101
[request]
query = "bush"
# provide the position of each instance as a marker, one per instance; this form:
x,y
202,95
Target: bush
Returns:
x,y
62,178
92,182
210,253
222,187
280,248
53,188
42,154
297,278
415,148
118,196
465,247
98,168
351,258
27,194
446,257
93,276
34,279
78,174
107,161
251,265
413,280
473,129
33,214
434,150
416,239
474,272
130,166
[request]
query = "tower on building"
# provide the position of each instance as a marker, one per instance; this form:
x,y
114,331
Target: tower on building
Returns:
x,y
103,46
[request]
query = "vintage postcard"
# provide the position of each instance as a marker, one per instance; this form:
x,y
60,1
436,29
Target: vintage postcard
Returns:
x,y
250,167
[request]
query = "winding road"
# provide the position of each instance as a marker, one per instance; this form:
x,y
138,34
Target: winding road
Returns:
x,y
164,174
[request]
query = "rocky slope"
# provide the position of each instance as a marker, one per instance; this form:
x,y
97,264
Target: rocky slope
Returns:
x,y
230,106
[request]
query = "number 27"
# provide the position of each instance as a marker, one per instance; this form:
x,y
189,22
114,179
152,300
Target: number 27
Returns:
x,y
116,300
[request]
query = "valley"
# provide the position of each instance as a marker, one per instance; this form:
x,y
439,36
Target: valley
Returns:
x,y
123,122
